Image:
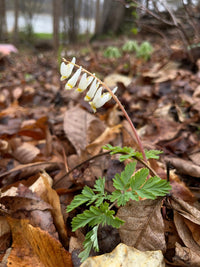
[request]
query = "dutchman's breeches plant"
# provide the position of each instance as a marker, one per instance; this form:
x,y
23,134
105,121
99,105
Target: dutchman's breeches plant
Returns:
x,y
130,184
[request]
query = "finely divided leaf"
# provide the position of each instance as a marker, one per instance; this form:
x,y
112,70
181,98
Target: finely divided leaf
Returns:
x,y
153,154
100,185
139,178
154,187
122,182
94,216
123,198
100,189
87,195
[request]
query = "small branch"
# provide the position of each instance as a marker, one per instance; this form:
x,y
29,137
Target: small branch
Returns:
x,y
153,173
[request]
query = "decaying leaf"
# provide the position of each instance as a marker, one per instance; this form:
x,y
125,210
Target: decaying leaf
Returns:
x,y
187,222
81,128
112,79
185,257
141,229
126,256
185,167
108,135
34,247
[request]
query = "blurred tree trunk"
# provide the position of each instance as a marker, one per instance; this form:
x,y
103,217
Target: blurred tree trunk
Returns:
x,y
56,24
3,28
113,16
16,32
73,21
98,19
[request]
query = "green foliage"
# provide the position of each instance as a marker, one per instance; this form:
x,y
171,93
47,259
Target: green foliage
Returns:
x,y
130,46
112,52
145,50
130,184
130,153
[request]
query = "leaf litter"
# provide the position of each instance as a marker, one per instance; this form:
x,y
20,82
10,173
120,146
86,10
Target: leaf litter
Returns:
x,y
46,128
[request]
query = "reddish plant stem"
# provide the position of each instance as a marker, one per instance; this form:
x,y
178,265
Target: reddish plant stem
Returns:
x,y
120,106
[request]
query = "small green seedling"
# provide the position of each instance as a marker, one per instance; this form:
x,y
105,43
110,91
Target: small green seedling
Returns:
x,y
112,52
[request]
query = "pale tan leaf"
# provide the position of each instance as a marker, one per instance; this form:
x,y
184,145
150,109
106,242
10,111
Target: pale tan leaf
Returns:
x,y
141,229
125,256
35,247
81,128
108,135
26,153
195,157
185,166
112,79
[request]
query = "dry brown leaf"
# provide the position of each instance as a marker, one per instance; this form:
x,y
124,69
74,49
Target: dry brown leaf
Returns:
x,y
141,229
26,153
108,135
186,210
5,234
35,247
112,79
197,92
179,188
50,196
195,157
185,234
194,229
185,166
162,74
185,257
25,170
28,205
125,256
81,128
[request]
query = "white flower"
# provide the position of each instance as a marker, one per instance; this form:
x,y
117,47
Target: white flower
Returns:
x,y
73,80
84,82
66,70
93,88
100,99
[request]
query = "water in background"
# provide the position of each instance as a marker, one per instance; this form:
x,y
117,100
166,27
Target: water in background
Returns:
x,y
43,23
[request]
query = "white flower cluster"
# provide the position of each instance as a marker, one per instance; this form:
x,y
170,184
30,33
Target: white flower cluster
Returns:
x,y
94,95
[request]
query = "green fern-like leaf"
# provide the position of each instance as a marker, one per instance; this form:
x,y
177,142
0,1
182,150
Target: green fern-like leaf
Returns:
x,y
91,241
96,215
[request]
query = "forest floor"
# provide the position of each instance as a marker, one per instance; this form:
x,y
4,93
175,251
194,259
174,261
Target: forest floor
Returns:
x,y
51,147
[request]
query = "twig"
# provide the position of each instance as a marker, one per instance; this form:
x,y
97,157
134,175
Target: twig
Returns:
x,y
153,173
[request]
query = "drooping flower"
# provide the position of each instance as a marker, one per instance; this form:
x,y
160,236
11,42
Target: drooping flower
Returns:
x,y
73,80
84,83
93,88
66,70
94,94
100,99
